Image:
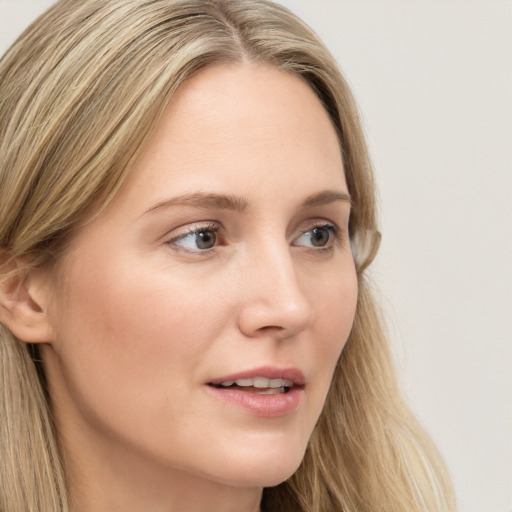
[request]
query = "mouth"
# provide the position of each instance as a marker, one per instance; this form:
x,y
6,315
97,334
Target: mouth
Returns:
x,y
257,385
266,392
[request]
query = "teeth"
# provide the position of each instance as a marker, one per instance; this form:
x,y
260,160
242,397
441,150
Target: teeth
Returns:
x,y
244,382
260,383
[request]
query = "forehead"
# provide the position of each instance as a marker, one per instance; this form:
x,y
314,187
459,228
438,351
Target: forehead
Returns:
x,y
242,122
250,131
247,95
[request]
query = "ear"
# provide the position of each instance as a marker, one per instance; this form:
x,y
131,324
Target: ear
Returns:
x,y
23,304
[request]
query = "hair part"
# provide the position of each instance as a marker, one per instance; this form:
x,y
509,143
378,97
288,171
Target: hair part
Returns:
x,y
81,92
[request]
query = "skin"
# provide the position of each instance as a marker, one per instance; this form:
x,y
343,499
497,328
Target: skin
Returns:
x,y
143,319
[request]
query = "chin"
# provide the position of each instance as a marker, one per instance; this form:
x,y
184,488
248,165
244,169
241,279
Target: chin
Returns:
x,y
264,468
265,478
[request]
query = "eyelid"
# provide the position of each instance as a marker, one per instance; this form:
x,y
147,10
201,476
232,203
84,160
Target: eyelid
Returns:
x,y
191,229
337,233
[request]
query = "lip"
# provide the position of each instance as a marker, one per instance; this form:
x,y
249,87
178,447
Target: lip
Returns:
x,y
269,372
264,406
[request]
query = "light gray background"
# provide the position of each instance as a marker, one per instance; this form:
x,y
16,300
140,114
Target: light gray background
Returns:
x,y
434,82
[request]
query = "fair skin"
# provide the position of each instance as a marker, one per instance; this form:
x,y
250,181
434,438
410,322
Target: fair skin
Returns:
x,y
168,293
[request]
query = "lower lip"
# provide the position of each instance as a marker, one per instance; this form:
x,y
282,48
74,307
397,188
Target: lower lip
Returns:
x,y
266,406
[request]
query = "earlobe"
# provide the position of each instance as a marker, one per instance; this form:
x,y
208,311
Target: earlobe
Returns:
x,y
22,309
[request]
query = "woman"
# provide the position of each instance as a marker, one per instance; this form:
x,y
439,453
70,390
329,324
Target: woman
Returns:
x,y
184,191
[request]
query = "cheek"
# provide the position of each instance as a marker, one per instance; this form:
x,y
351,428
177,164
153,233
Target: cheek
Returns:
x,y
336,304
128,340
334,297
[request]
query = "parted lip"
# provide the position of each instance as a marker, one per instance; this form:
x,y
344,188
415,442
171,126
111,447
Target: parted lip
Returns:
x,y
269,372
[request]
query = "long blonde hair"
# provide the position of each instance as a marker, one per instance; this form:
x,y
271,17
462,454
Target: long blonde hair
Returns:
x,y
81,92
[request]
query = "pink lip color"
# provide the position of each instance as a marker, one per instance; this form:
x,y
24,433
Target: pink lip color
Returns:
x,y
269,372
266,406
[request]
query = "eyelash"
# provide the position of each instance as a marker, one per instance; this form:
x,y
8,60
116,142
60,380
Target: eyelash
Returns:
x,y
215,228
195,230
333,230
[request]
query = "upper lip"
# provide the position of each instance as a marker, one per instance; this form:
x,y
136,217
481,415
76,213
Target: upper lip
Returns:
x,y
270,372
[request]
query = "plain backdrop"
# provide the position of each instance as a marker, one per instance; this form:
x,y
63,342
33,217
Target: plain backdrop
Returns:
x,y
433,79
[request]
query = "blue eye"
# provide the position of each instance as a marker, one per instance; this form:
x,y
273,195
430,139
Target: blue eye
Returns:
x,y
198,240
320,236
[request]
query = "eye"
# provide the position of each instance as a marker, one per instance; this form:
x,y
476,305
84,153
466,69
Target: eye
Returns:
x,y
322,237
197,240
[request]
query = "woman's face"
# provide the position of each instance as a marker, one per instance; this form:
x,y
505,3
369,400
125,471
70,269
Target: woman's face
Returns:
x,y
200,317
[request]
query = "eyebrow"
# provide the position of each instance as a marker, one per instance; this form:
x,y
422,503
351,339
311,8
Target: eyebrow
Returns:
x,y
326,197
205,201
241,204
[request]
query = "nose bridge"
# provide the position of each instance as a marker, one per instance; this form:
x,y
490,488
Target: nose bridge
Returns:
x,y
273,297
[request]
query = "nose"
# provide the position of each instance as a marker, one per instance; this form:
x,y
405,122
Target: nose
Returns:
x,y
273,304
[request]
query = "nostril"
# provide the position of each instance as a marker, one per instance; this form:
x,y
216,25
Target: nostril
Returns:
x,y
270,328
259,321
